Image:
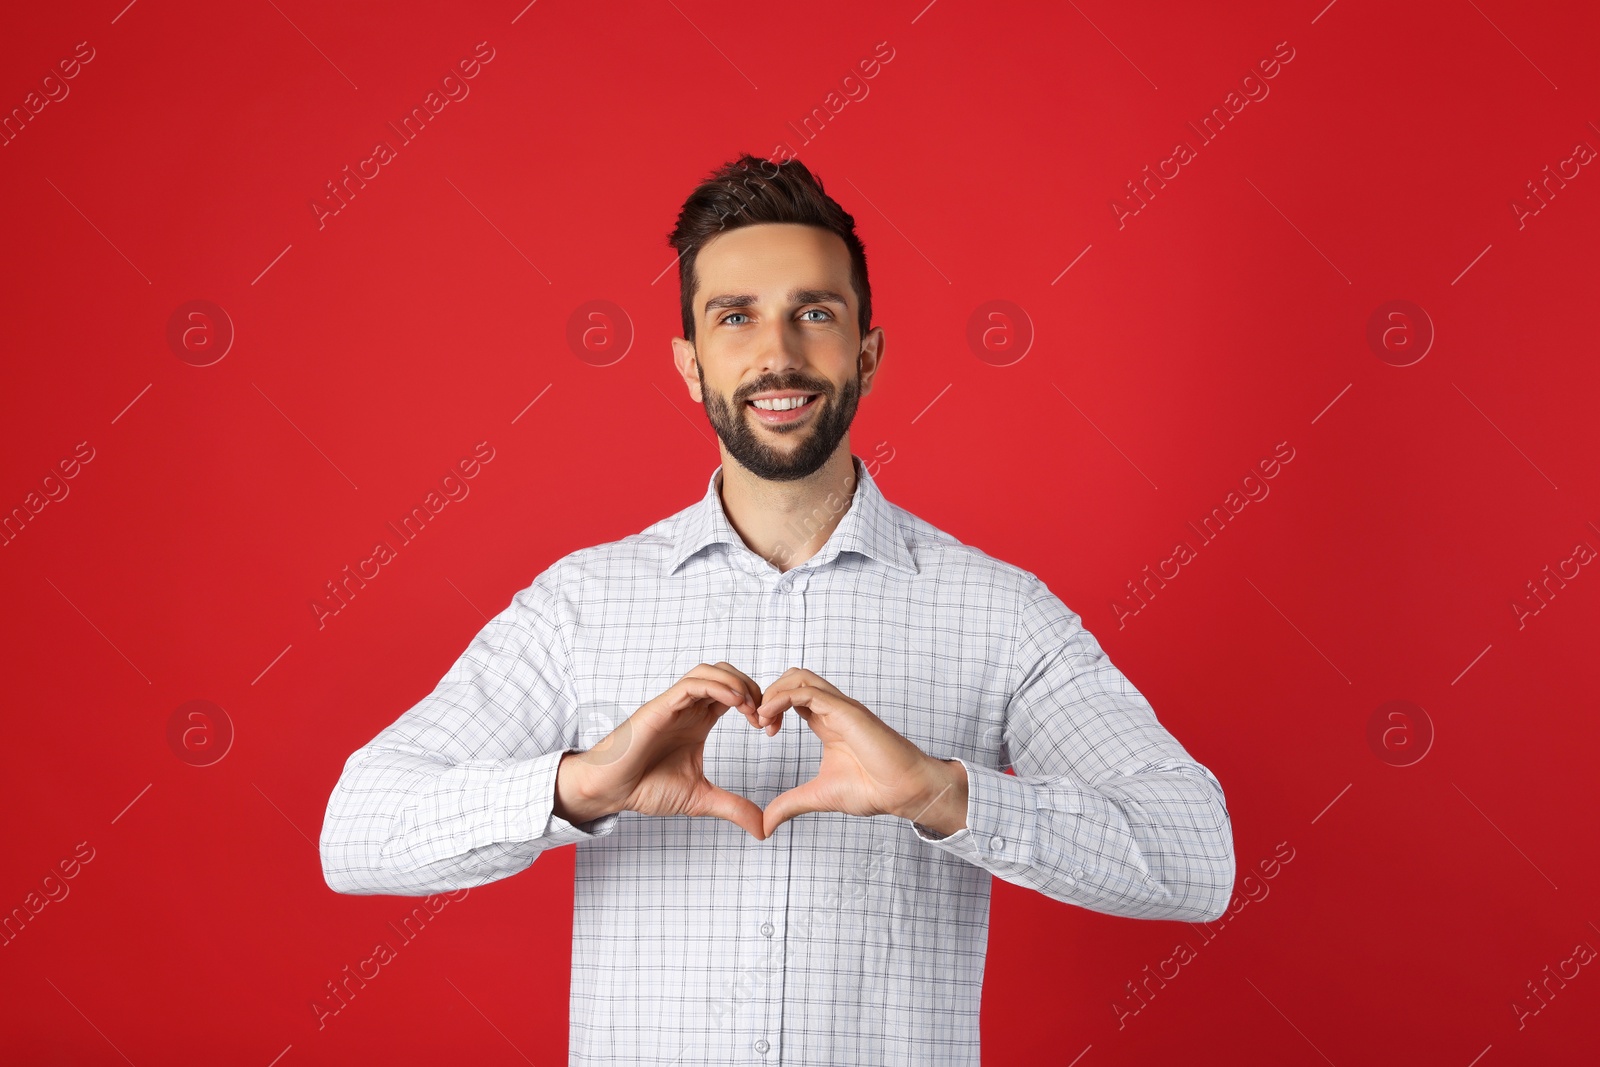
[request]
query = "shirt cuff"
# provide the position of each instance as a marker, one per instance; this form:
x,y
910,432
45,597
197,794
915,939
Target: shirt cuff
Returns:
x,y
1002,819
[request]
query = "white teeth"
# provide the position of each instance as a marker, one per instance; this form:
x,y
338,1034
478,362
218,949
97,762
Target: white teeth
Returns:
x,y
787,403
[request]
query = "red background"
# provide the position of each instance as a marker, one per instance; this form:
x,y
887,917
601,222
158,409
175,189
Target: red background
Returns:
x,y
1228,315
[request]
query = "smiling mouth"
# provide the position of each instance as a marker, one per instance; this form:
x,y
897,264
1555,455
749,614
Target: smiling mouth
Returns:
x,y
778,418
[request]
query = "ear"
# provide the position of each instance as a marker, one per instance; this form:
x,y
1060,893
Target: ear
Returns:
x,y
685,359
871,357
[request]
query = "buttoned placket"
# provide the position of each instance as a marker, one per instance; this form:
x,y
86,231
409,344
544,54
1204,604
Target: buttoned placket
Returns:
x,y
782,645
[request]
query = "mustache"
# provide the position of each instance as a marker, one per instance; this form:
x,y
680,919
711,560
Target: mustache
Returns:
x,y
803,387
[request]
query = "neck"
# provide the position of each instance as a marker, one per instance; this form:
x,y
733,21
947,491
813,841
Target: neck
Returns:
x,y
786,523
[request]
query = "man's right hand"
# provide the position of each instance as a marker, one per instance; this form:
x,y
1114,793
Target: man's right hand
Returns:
x,y
654,762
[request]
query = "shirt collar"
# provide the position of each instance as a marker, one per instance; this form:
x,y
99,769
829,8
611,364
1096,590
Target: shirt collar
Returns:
x,y
869,527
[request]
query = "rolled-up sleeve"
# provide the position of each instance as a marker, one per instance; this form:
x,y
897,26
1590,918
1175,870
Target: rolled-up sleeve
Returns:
x,y
460,790
1106,809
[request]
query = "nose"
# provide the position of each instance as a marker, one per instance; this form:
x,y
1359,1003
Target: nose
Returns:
x,y
780,352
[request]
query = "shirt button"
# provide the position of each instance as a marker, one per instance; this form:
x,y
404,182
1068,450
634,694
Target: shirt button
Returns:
x,y
997,842
766,929
761,1044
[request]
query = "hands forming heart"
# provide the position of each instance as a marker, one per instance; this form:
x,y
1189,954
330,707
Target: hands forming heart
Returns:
x,y
653,762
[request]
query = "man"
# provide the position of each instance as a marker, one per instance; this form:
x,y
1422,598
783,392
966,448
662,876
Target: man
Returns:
x,y
747,893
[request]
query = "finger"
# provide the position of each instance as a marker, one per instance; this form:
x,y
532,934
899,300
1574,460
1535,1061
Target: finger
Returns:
x,y
785,681
730,681
750,691
737,681
801,696
769,715
807,702
785,806
741,811
695,688
798,676
816,681
772,720
750,687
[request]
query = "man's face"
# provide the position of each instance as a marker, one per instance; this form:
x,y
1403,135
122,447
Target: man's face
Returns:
x,y
775,313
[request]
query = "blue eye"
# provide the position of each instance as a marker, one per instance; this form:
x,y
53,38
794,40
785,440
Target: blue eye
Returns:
x,y
725,318
820,311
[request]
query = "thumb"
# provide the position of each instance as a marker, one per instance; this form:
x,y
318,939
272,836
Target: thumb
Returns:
x,y
786,805
741,811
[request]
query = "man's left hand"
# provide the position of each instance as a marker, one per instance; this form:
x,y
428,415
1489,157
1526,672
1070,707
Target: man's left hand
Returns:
x,y
868,768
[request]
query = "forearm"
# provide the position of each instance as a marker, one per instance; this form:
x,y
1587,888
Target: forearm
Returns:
x,y
405,824
1156,845
1106,809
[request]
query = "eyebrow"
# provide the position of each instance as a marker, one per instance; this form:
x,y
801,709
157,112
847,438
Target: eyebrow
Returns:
x,y
796,296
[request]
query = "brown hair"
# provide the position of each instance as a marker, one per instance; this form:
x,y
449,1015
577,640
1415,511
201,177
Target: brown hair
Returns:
x,y
751,190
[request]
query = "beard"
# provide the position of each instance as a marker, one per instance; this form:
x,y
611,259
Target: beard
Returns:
x,y
819,434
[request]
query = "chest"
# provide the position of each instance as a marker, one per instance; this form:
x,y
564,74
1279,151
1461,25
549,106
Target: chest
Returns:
x,y
932,666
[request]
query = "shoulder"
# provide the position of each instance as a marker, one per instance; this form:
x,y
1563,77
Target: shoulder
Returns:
x,y
1001,606
1022,611
941,557
594,569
